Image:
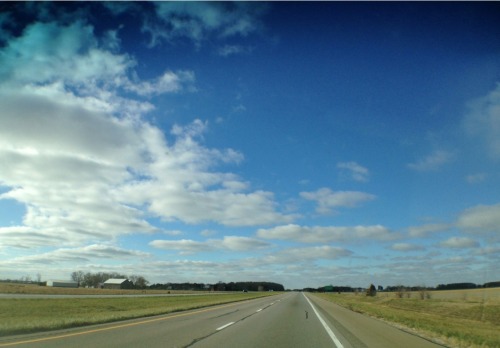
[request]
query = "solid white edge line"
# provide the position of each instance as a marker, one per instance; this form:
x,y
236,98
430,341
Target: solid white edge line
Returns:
x,y
224,326
327,328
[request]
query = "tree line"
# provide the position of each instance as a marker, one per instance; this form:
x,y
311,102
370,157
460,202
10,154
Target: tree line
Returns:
x,y
396,288
95,280
221,286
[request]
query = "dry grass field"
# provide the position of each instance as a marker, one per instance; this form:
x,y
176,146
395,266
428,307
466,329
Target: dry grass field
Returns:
x,y
458,318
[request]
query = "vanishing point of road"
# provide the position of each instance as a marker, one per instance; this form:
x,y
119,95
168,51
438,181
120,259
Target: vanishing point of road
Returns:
x,y
285,320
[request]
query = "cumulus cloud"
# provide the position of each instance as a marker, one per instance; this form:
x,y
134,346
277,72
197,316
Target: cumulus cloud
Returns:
x,y
196,21
184,246
406,247
432,162
483,121
327,200
307,254
70,59
168,82
459,243
425,230
229,50
480,219
238,243
79,255
325,234
354,171
231,243
83,161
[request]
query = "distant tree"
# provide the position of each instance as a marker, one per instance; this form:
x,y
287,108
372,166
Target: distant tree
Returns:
x,y
424,293
78,276
139,281
491,285
456,286
371,291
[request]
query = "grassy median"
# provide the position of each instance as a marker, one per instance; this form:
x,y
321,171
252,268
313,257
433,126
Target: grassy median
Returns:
x,y
465,320
18,316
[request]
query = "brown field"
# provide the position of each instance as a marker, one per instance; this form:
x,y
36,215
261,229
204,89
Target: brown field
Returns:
x,y
17,288
459,318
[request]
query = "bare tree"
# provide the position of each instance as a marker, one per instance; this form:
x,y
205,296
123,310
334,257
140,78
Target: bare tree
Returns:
x,y
78,277
139,281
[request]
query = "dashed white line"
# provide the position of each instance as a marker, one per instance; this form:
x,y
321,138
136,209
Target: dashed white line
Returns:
x,y
325,325
258,310
224,326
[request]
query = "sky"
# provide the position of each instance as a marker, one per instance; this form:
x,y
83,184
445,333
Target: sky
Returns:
x,y
301,143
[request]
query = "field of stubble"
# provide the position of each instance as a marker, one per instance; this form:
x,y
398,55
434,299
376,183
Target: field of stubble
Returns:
x,y
457,318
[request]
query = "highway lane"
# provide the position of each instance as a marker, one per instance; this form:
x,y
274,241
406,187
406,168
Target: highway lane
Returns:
x,y
307,321
359,331
173,330
285,320
288,323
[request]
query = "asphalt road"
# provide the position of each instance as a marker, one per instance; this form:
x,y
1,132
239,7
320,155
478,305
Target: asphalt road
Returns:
x,y
286,320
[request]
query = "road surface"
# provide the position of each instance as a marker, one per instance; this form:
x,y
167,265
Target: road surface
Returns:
x,y
285,320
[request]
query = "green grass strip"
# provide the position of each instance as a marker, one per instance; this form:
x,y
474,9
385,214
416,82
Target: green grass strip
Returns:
x,y
20,316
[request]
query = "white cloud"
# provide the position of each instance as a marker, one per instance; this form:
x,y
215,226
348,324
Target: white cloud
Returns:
x,y
69,57
28,237
83,161
208,233
406,247
229,50
307,254
489,251
483,121
476,178
167,83
459,243
425,230
237,243
197,21
79,255
480,219
355,171
173,233
325,234
184,246
432,162
231,243
327,199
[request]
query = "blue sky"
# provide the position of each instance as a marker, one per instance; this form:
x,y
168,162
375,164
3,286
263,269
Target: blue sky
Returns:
x,y
302,143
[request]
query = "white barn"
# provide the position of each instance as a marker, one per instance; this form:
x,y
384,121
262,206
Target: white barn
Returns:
x,y
114,283
62,283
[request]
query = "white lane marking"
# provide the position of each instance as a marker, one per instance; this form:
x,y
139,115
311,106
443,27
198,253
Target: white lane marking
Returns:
x,y
325,325
224,326
258,310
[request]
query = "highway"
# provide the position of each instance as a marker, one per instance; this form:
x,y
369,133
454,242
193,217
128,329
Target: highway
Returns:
x,y
285,320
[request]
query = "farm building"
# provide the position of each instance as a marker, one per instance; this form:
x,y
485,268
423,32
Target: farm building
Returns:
x,y
118,284
62,284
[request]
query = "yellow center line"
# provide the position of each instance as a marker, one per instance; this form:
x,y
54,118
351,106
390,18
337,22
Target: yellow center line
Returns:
x,y
116,326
